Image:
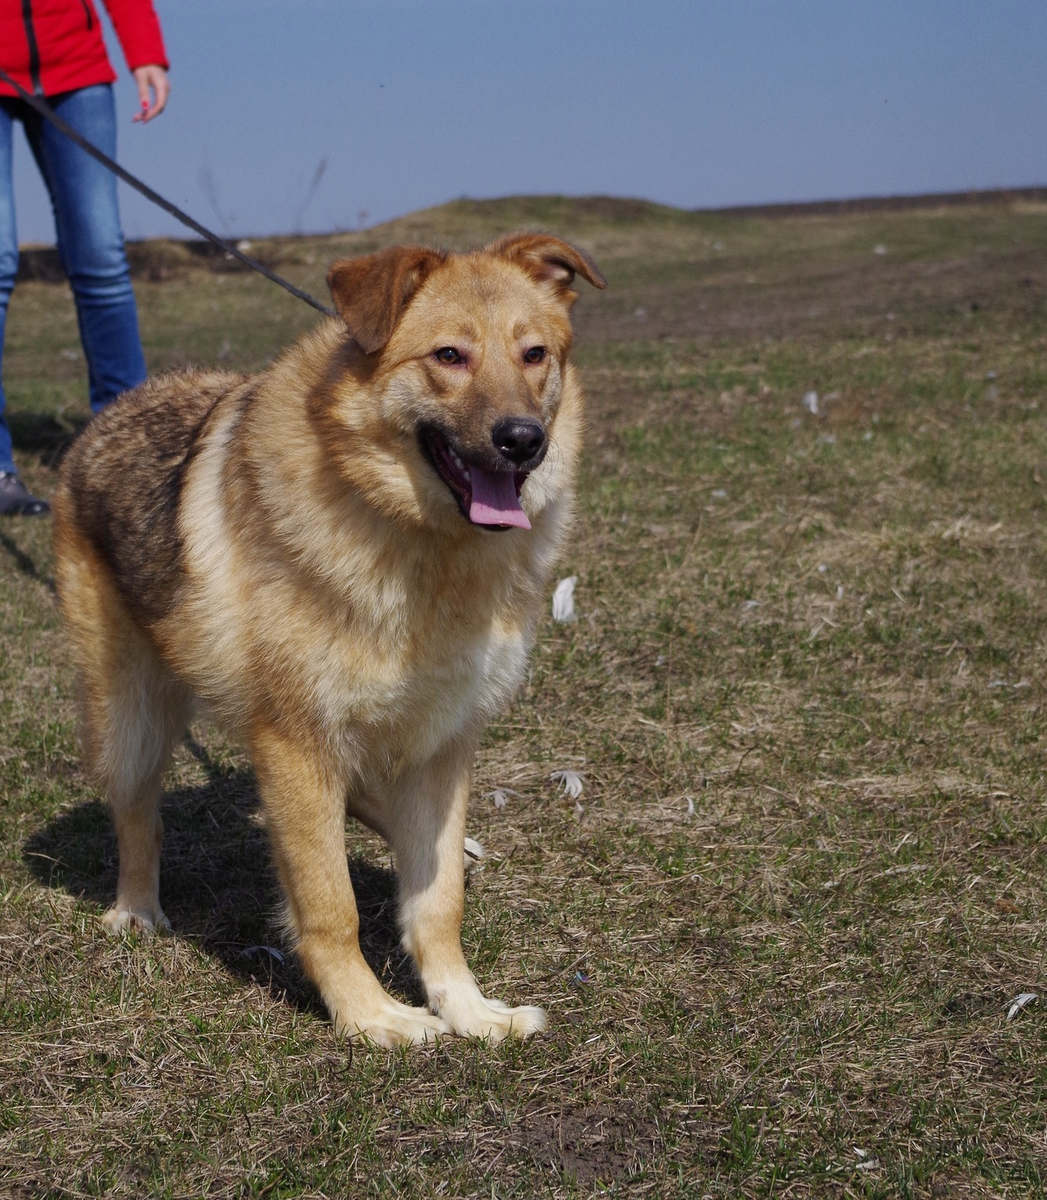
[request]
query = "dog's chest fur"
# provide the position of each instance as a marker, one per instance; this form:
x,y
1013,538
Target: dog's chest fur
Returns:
x,y
417,675
409,684
376,640
427,701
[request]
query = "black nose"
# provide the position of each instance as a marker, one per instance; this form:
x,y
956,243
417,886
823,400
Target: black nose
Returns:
x,y
518,439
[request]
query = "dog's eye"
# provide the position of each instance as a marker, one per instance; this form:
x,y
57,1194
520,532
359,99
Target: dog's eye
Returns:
x,y
534,355
448,354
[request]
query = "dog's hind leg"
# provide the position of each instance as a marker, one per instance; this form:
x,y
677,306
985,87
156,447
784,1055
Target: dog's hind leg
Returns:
x,y
133,712
426,831
132,729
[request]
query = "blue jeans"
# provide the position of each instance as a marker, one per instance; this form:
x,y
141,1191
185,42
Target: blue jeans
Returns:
x,y
90,241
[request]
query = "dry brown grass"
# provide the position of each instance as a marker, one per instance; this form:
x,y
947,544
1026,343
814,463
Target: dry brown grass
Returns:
x,y
824,633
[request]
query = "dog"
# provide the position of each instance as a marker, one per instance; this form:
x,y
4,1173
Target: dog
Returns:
x,y
344,558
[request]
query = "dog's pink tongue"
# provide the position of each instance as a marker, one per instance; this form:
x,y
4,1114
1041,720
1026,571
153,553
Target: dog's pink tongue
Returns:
x,y
495,501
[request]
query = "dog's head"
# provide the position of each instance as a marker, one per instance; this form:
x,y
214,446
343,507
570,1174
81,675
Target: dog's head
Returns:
x,y
465,356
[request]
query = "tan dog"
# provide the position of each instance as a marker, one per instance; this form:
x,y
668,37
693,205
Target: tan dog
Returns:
x,y
344,557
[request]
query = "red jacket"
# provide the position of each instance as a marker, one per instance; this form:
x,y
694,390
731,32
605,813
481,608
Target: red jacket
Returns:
x,y
53,46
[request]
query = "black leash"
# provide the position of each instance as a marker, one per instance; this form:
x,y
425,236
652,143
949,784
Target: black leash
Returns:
x,y
50,115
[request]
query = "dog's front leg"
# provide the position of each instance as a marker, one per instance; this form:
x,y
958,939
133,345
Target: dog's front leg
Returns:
x,y
427,813
304,800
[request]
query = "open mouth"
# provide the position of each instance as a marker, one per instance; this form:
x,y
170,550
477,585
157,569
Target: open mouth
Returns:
x,y
486,497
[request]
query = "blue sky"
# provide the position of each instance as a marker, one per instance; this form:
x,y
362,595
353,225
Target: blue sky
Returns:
x,y
696,103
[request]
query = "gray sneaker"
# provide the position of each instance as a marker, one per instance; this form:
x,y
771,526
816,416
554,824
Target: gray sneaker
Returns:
x,y
17,501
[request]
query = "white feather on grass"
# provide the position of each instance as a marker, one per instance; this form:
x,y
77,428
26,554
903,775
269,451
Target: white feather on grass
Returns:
x,y
500,796
570,783
474,855
1019,1002
270,950
563,599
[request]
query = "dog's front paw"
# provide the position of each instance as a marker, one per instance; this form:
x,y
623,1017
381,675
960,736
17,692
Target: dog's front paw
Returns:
x,y
470,1014
124,918
394,1024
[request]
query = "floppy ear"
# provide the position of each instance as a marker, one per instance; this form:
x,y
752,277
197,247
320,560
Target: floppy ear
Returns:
x,y
371,292
548,259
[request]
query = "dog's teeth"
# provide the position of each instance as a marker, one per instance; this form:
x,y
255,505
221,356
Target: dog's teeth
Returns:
x,y
466,475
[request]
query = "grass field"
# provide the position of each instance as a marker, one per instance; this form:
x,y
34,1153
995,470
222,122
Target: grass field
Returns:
x,y
780,934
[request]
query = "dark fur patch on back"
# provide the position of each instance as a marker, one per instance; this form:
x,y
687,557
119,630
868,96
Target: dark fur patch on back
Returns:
x,y
125,473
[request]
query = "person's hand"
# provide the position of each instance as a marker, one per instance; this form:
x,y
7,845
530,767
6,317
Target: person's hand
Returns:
x,y
153,90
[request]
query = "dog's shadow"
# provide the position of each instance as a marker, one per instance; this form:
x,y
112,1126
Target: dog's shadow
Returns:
x,y
43,435
217,885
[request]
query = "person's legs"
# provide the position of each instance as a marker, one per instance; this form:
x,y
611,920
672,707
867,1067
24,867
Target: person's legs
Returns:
x,y
90,240
15,500
8,260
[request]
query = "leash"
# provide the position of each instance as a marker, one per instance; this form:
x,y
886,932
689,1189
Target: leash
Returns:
x,y
50,115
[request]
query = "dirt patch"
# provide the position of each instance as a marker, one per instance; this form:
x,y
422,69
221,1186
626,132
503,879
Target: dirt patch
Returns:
x,y
602,1143
870,295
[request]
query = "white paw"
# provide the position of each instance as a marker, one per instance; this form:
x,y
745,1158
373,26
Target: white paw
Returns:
x,y
470,1014
394,1024
474,855
144,919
